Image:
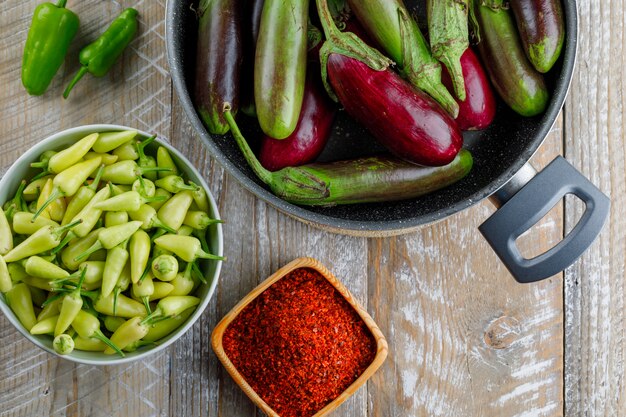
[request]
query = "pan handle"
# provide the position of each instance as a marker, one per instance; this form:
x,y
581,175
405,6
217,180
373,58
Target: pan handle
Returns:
x,y
525,200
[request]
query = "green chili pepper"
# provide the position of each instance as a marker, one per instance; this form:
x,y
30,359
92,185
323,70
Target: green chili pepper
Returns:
x,y
6,237
163,328
123,283
77,247
23,223
187,248
448,27
41,268
87,326
42,240
70,306
146,161
64,159
164,160
124,306
115,263
185,230
107,158
50,307
45,326
128,333
165,267
183,283
146,188
201,199
114,218
20,301
17,272
171,306
161,290
160,192
99,56
94,273
173,212
139,249
199,220
143,290
108,141
137,345
148,216
111,237
113,323
89,345
6,283
57,206
67,183
33,189
175,184
126,172
82,197
128,201
63,344
126,152
52,29
90,215
41,283
42,164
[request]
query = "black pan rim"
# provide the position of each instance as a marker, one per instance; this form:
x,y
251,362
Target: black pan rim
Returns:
x,y
378,227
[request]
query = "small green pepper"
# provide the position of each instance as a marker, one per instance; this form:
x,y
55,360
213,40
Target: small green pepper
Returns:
x,y
126,152
6,283
201,199
146,161
90,215
128,201
82,197
70,306
20,301
173,212
110,237
199,220
143,290
77,247
56,208
49,37
89,345
50,307
42,240
45,326
174,184
33,189
126,172
139,250
187,248
171,306
128,333
24,224
108,141
63,344
6,237
38,267
160,192
124,306
99,56
107,158
183,284
87,326
161,290
163,328
165,267
146,188
164,160
113,323
115,263
64,159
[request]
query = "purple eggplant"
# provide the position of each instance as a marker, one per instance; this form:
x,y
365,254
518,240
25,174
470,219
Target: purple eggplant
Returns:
x,y
218,65
311,135
479,108
405,120
252,17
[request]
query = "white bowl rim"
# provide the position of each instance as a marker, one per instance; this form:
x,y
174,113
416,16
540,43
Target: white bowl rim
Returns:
x,y
31,155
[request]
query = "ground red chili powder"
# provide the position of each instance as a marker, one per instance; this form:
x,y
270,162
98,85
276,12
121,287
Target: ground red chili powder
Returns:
x,y
299,344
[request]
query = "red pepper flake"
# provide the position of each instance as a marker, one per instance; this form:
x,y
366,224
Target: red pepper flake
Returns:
x,y
299,344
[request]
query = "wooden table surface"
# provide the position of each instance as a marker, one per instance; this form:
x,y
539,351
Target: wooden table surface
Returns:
x,y
465,339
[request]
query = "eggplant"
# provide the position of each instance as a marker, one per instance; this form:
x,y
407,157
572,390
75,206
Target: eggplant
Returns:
x,y
479,108
517,82
252,17
364,180
312,133
218,61
389,24
280,66
542,30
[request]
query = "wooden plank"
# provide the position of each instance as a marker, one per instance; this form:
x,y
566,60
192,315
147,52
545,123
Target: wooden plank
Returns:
x,y
594,287
465,339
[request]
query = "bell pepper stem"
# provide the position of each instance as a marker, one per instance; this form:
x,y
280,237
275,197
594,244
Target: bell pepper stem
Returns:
x,y
263,174
82,71
61,4
100,336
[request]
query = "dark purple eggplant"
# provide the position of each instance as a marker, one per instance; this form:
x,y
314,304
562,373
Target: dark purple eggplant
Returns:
x,y
252,17
218,61
542,29
306,143
479,108
405,120
513,76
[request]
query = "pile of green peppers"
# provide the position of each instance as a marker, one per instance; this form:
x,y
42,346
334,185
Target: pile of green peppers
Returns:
x,y
51,32
101,249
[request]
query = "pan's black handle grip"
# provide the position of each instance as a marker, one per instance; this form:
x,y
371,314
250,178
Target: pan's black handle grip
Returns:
x,y
529,205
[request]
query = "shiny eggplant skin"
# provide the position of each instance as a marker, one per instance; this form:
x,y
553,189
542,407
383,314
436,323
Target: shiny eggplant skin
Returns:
x,y
280,66
252,17
218,61
306,143
542,30
517,82
479,108
405,120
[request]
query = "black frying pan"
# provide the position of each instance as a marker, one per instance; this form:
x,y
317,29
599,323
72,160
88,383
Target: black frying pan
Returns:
x,y
501,170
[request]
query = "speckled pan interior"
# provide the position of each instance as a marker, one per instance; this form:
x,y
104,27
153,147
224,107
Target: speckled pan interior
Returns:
x,y
499,152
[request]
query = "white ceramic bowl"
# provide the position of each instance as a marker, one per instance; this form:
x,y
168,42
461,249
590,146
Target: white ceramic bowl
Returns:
x,y
21,169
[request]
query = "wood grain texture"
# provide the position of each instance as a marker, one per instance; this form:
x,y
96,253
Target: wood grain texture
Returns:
x,y
594,288
464,338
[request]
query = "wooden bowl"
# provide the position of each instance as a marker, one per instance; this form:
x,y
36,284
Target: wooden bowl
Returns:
x,y
218,333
